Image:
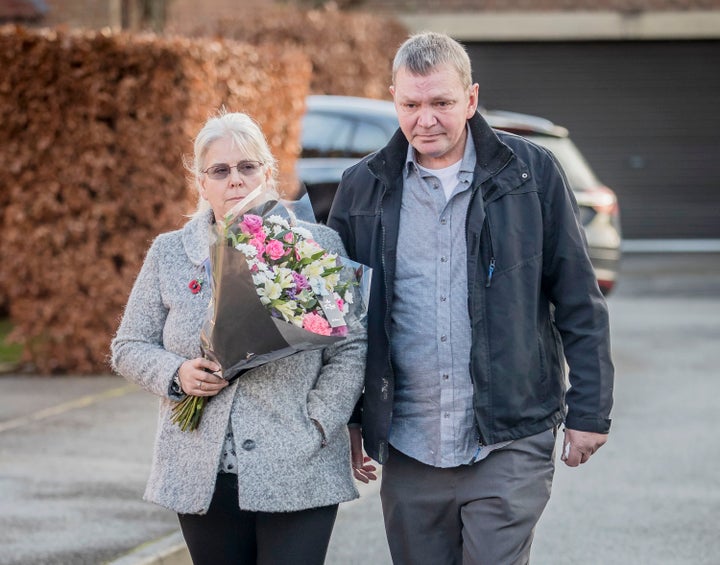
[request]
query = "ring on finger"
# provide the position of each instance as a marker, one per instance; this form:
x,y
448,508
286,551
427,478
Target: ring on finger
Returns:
x,y
200,383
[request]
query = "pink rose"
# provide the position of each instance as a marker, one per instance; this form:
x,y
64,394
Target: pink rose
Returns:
x,y
275,249
289,237
251,224
316,324
258,244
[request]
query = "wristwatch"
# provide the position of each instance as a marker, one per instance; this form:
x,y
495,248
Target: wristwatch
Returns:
x,y
176,385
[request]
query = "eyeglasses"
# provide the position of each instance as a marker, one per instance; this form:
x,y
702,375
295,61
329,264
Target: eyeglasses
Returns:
x,y
247,169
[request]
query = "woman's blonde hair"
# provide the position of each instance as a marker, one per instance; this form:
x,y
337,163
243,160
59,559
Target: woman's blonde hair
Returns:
x,y
246,136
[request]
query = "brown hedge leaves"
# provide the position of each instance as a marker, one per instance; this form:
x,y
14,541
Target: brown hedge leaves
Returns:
x,y
351,52
93,130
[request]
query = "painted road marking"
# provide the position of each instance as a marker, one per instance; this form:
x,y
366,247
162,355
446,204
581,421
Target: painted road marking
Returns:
x,y
81,402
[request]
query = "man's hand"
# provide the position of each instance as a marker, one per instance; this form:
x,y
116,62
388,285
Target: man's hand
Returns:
x,y
579,446
363,471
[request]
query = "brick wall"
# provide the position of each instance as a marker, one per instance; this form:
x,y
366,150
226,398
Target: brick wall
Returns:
x,y
184,15
91,14
425,6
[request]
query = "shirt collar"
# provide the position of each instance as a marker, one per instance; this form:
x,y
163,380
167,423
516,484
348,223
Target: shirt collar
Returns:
x,y
467,165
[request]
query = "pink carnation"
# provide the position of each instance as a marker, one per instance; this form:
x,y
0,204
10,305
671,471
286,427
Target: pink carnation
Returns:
x,y
340,331
275,249
316,324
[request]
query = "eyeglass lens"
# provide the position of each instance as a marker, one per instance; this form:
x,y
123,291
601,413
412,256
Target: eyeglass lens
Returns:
x,y
246,168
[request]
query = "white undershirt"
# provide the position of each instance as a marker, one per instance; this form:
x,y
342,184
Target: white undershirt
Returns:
x,y
448,177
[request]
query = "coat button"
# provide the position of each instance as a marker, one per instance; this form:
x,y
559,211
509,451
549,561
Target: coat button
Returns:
x,y
248,445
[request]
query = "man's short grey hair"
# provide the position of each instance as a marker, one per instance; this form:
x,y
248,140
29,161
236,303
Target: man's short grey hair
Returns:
x,y
246,136
422,53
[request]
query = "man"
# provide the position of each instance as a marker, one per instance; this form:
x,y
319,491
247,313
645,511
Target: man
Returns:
x,y
481,283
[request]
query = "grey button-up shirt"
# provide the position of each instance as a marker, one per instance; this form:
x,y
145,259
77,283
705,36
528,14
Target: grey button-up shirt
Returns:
x,y
433,418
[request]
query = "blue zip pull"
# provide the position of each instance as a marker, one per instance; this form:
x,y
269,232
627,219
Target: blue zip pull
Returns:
x,y
491,270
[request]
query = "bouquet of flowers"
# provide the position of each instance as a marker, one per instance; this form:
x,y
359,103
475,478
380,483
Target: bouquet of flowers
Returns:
x,y
275,292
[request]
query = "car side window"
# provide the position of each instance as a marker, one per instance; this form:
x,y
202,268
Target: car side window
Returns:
x,y
368,138
325,136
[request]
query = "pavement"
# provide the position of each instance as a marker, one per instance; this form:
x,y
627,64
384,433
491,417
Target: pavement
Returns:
x,y
74,458
75,453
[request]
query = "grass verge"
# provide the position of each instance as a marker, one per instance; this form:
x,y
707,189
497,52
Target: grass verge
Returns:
x,y
9,352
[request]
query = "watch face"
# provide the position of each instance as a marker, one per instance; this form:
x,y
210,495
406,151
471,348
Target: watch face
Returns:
x,y
176,386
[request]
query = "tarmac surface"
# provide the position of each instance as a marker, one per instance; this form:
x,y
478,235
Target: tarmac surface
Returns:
x,y
74,458
75,453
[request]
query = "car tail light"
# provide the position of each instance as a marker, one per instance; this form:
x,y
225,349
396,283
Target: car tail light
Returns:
x,y
604,201
605,286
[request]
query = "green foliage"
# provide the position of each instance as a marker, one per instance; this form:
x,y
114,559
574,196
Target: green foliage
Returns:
x,y
9,352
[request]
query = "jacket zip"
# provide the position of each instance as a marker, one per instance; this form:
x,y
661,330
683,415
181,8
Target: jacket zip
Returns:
x,y
476,238
385,384
385,390
488,233
491,265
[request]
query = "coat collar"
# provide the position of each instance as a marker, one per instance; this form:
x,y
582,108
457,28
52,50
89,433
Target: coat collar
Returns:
x,y
491,153
196,237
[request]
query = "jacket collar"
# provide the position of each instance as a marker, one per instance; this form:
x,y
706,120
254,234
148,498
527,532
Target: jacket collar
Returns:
x,y
491,153
196,237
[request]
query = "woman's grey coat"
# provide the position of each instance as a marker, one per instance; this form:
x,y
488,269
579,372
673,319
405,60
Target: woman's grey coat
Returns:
x,y
281,463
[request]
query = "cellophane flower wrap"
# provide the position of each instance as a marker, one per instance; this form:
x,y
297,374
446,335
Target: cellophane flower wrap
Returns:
x,y
275,291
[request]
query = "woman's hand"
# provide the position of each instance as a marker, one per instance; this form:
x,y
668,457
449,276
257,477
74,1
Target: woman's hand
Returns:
x,y
200,377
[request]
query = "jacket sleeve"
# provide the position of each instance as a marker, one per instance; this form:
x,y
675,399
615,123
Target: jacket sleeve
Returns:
x,y
137,351
581,314
338,218
339,221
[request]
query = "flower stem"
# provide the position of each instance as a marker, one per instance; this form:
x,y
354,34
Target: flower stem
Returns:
x,y
188,412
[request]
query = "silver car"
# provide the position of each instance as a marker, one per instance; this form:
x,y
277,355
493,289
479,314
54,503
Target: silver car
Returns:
x,y
338,131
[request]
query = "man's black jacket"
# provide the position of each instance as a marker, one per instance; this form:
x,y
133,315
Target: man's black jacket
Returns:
x,y
532,292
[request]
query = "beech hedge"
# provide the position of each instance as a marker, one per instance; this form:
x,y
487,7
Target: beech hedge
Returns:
x,y
94,129
351,52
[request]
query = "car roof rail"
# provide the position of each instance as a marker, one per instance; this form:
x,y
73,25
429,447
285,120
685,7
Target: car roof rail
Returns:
x,y
517,122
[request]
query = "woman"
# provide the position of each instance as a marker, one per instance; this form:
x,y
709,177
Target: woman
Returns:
x,y
260,480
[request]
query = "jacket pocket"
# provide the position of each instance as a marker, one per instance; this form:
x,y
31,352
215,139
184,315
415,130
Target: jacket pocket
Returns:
x,y
515,230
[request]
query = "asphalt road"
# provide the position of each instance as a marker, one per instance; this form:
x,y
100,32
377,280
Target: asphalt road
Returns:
x,y
651,495
74,452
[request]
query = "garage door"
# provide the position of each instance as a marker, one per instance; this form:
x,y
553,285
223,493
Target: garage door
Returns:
x,y
645,114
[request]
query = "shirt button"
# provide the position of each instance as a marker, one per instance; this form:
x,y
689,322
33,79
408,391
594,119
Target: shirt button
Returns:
x,y
447,414
446,377
524,175
443,298
443,338
443,259
443,221
248,445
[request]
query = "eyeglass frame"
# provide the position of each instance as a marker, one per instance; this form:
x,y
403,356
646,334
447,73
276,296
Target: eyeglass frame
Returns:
x,y
236,166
